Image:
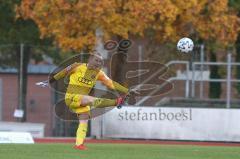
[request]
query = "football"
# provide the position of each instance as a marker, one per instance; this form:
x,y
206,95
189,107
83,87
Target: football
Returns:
x,y
185,45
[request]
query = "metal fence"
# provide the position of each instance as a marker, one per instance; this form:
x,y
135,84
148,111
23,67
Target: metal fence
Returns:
x,y
194,76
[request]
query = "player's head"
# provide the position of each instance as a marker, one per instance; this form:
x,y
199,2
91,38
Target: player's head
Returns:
x,y
95,61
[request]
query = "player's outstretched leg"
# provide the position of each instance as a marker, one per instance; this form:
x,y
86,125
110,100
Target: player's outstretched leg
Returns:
x,y
81,135
100,102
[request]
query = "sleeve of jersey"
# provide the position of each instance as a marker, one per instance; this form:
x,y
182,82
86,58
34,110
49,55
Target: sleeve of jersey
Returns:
x,y
64,72
110,83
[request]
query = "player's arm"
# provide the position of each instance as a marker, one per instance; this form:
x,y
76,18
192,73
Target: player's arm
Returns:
x,y
111,84
64,72
61,74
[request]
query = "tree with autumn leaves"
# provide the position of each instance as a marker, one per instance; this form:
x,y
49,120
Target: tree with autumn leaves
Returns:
x,y
73,23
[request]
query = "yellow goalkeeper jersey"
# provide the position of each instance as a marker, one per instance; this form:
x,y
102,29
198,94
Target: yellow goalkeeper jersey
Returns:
x,y
82,79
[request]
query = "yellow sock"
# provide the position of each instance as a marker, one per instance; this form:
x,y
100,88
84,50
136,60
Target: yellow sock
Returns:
x,y
103,102
81,133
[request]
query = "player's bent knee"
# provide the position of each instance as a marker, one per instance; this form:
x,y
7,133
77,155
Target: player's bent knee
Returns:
x,y
87,100
83,117
83,121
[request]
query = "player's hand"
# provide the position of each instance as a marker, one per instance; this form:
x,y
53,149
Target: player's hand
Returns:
x,y
42,83
134,92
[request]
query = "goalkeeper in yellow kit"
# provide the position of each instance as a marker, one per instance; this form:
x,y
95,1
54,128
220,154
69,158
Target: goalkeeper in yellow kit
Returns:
x,y
83,77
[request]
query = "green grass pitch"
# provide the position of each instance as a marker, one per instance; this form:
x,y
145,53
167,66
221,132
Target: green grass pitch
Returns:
x,y
117,151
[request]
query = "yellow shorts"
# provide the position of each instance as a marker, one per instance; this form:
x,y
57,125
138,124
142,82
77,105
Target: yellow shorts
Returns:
x,y
73,101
